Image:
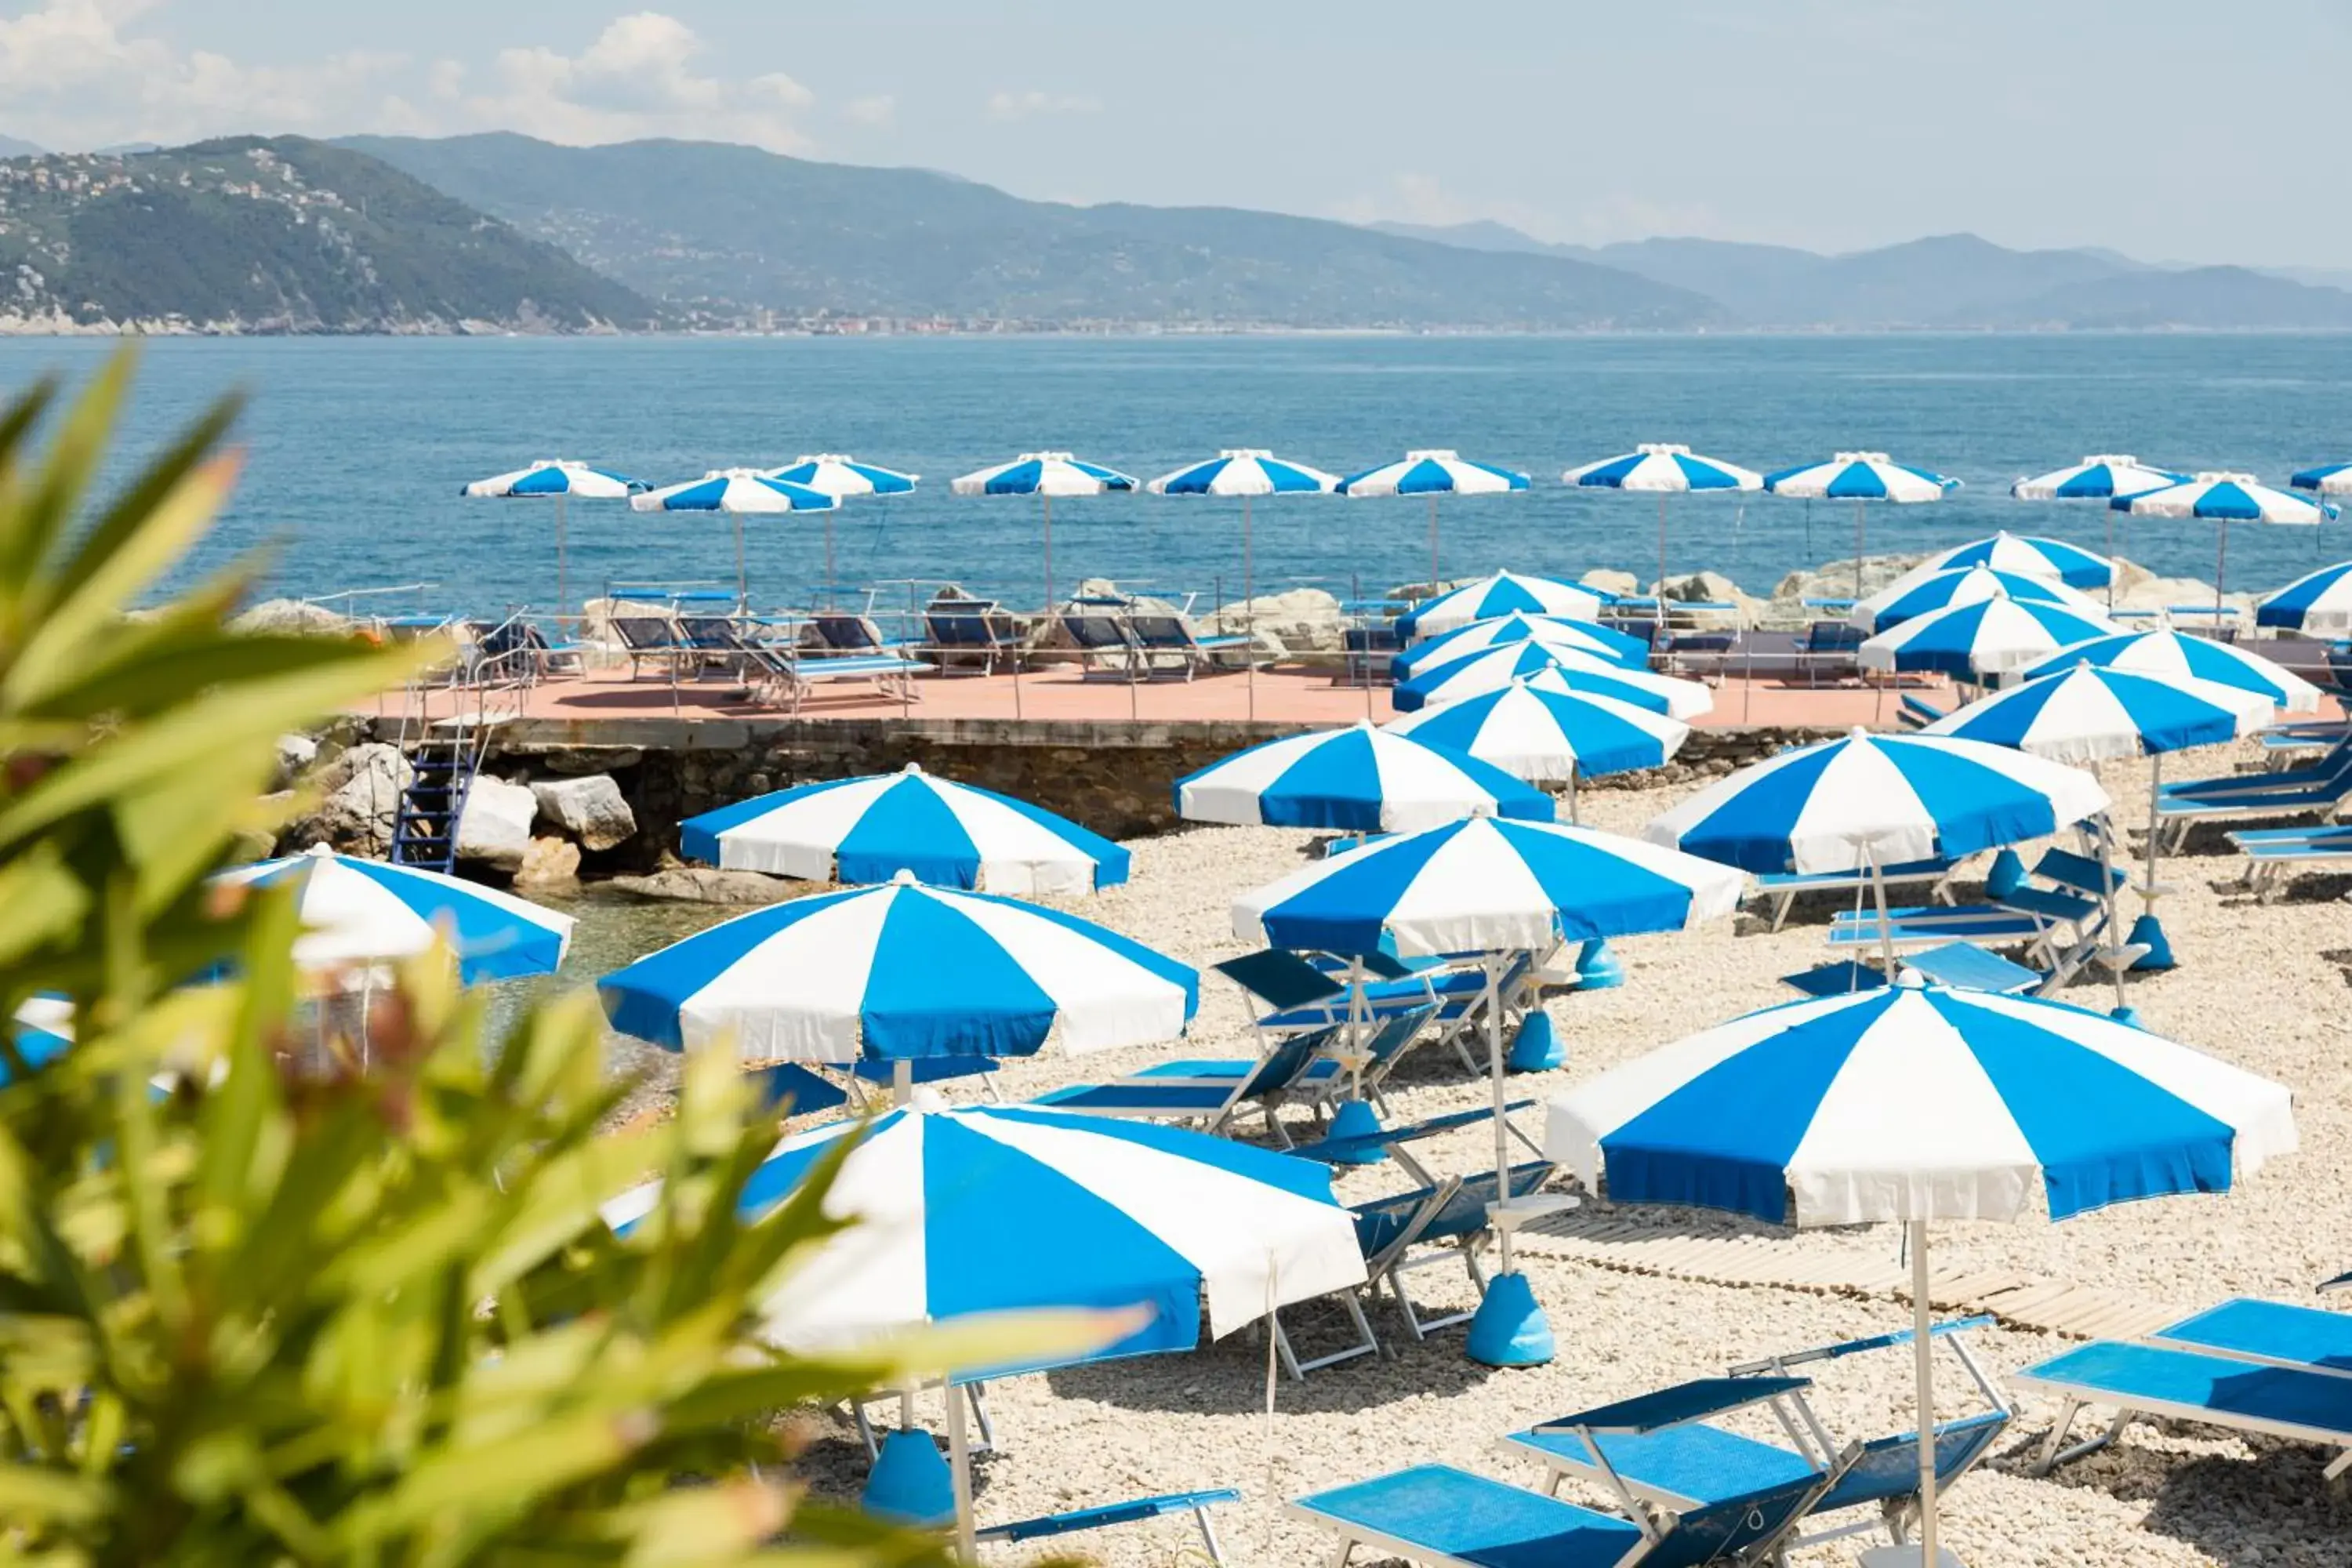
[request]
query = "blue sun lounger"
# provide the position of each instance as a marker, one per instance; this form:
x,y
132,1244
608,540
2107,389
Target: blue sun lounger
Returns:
x,y
1692,1464
1281,1072
1327,1079
1782,888
2273,1333
2271,852
2177,1384
1055,1525
1449,1517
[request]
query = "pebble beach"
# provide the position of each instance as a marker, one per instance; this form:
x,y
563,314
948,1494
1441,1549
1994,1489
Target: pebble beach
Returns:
x,y
2262,986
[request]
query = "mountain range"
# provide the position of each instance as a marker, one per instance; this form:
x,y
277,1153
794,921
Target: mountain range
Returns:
x,y
282,235
1946,281
501,231
725,229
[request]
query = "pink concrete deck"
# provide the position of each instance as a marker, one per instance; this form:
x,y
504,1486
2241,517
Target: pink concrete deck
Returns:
x,y
1058,696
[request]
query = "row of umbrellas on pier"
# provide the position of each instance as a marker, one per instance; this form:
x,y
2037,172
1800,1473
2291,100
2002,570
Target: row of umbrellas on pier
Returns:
x,y
819,482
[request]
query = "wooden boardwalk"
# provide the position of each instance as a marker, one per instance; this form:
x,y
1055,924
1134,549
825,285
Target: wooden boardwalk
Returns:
x,y
2020,1300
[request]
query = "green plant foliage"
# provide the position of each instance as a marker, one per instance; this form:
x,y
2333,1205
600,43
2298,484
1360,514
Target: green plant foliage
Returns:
x,y
259,1305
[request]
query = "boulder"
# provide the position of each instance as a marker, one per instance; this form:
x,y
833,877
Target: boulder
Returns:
x,y
549,863
708,885
1714,587
1834,579
1304,620
295,756
1610,582
590,809
494,830
291,615
360,796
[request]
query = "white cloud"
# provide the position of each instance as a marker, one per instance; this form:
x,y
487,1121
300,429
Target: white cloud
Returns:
x,y
1010,106
639,77
85,73
82,73
877,111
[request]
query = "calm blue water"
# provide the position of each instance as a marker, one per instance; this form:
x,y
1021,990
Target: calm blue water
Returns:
x,y
358,447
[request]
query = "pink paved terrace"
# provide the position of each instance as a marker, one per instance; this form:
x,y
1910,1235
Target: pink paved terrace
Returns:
x,y
1283,698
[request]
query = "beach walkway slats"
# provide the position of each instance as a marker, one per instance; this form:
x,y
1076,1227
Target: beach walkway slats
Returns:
x,y
2019,1300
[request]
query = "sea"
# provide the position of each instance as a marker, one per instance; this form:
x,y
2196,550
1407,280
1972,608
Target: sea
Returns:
x,y
356,449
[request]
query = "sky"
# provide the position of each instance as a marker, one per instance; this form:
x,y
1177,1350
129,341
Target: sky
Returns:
x,y
2172,130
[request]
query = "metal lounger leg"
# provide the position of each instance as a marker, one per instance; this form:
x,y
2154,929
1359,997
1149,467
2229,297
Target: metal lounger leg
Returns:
x,y
1207,1535
1347,1550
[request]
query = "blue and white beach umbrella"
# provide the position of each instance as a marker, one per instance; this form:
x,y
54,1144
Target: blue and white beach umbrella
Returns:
x,y
1915,1104
1359,779
869,829
2026,555
843,476
838,474
1045,475
2178,658
736,491
1861,478
1877,800
1487,885
1921,592
2089,713
1548,665
2328,480
1504,593
2101,476
558,479
1591,637
1247,472
1663,469
897,973
1549,737
1492,886
1433,472
358,914
2225,498
2317,601
41,1031
954,1212
1985,638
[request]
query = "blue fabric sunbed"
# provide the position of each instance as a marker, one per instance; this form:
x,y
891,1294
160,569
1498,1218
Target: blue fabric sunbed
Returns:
x,y
2275,1333
1448,1517
1783,886
2187,1386
1281,1071
1055,1525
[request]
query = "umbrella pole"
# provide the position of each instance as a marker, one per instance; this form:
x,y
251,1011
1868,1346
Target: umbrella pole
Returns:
x,y
2105,828
1662,560
1861,508
1048,501
2154,790
2220,567
1922,1357
1249,607
1886,926
742,581
829,559
2111,558
1501,1128
1573,817
559,596
1433,541
960,1465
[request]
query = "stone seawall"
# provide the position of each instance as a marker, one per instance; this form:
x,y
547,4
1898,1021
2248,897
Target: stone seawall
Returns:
x,y
1115,778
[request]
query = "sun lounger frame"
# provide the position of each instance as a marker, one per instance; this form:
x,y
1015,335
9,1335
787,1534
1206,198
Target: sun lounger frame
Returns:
x,y
2080,1393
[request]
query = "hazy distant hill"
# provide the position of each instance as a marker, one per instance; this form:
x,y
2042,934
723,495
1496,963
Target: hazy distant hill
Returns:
x,y
283,234
12,147
1949,281
734,227
2209,298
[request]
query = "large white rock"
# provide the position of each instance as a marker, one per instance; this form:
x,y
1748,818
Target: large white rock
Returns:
x,y
590,808
290,615
494,830
1304,620
1834,579
360,797
1608,580
295,756
708,885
